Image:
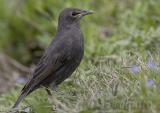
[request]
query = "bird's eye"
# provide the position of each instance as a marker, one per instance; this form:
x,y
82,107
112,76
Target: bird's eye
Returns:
x,y
75,13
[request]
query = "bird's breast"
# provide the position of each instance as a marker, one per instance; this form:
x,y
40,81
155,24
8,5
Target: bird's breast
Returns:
x,y
72,42
77,50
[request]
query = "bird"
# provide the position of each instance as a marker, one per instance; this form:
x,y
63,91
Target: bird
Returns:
x,y
62,57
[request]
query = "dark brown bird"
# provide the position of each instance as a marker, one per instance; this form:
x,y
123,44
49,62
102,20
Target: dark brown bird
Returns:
x,y
63,55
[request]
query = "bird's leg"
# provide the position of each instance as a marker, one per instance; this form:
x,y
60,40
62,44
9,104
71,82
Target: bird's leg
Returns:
x,y
48,92
50,97
53,100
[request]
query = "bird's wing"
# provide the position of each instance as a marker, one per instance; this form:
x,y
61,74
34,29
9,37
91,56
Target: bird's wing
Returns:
x,y
48,64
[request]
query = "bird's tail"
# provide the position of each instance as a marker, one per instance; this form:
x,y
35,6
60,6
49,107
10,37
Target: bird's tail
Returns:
x,y
20,98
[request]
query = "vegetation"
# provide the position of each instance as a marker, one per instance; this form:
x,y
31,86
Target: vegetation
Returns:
x,y
120,70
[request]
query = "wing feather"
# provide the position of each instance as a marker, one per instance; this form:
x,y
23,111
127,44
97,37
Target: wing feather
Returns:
x,y
48,64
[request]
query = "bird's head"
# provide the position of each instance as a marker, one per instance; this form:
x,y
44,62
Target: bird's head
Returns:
x,y
71,16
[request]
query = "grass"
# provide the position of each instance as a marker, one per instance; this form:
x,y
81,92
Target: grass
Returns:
x,y
107,87
115,27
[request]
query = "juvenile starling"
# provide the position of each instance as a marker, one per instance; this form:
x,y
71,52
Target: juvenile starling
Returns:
x,y
63,55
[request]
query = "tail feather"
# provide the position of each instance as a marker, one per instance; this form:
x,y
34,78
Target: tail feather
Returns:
x,y
25,91
23,94
20,98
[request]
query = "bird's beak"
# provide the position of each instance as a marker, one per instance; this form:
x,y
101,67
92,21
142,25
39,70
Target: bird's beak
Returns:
x,y
84,12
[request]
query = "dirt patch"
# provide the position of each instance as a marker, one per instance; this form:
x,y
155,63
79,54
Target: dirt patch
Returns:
x,y
11,73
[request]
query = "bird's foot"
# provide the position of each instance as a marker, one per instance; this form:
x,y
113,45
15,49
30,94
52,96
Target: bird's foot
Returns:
x,y
57,104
